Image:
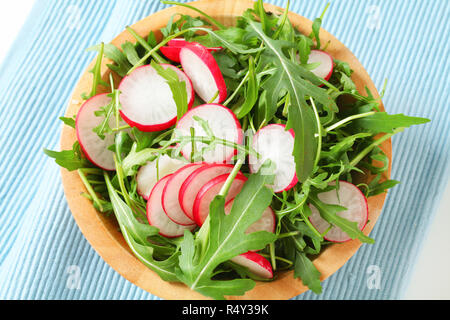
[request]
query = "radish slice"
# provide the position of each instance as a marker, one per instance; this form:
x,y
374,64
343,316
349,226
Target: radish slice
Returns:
x,y
156,216
256,263
180,42
148,174
172,51
95,149
325,69
348,196
223,124
147,100
192,185
201,67
170,203
275,143
267,222
207,193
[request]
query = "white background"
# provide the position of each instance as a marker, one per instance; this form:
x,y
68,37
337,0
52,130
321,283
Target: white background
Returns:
x,y
431,276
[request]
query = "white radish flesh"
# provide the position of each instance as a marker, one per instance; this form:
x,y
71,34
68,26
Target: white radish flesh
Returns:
x,y
150,173
267,222
170,202
325,69
147,100
195,181
256,263
211,189
201,67
348,196
275,143
156,216
223,124
95,149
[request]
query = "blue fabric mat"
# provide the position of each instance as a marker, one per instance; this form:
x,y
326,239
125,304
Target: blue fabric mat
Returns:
x,y
42,250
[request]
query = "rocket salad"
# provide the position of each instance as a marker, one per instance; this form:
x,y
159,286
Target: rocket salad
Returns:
x,y
228,154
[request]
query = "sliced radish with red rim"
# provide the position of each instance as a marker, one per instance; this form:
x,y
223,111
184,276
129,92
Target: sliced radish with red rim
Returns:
x,y
275,143
147,100
256,263
325,69
170,202
95,148
150,173
195,181
348,196
267,222
223,124
201,67
180,42
211,189
156,216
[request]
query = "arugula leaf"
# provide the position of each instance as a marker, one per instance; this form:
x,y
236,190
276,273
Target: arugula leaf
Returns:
x,y
69,159
177,87
307,272
96,71
136,234
329,213
299,83
122,65
383,122
223,237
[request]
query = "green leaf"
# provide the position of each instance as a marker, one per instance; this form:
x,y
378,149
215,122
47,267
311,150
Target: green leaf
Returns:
x,y
69,159
383,122
68,121
329,213
177,87
299,83
307,272
251,94
136,233
122,65
223,237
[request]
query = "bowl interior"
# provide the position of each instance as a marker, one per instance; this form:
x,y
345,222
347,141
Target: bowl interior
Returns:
x,y
103,233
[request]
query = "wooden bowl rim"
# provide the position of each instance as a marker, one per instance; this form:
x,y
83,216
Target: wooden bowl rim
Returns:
x,y
102,232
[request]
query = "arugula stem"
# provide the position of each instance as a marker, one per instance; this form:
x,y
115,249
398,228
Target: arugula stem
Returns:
x,y
146,46
273,260
376,143
244,80
89,189
121,128
348,119
223,192
211,19
288,234
214,98
319,129
161,44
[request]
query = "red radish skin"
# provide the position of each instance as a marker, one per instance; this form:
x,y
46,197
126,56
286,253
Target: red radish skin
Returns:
x,y
172,50
195,181
201,67
275,143
147,100
170,203
156,216
207,193
222,122
148,174
94,148
357,210
267,222
325,69
256,263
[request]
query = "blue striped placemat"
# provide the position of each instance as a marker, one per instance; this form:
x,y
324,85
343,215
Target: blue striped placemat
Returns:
x,y
43,254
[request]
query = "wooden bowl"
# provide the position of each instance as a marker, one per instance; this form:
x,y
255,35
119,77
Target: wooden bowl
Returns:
x,y
102,232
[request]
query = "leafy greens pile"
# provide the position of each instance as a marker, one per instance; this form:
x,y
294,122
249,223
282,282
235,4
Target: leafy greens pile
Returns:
x,y
338,133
